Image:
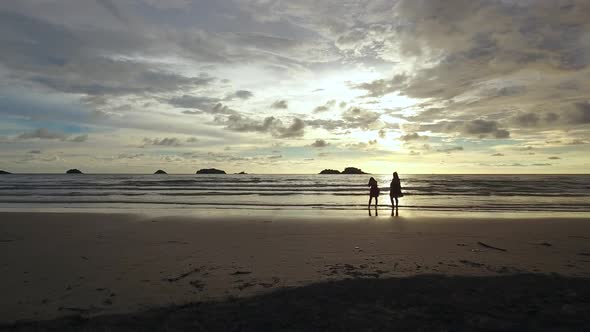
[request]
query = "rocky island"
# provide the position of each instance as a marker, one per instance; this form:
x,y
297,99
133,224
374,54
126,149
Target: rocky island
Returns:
x,y
347,170
330,171
160,172
4,172
353,170
210,171
74,171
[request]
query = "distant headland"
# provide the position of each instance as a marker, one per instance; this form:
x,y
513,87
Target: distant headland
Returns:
x,y
4,172
160,172
74,171
347,170
210,171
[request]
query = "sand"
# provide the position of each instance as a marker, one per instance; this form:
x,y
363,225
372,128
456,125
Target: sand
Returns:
x,y
63,264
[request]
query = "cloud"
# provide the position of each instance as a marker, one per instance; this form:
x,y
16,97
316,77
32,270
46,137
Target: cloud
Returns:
x,y
356,117
166,141
554,158
271,125
450,149
79,139
381,87
498,155
280,104
475,128
327,106
363,145
42,133
243,94
319,143
188,101
412,137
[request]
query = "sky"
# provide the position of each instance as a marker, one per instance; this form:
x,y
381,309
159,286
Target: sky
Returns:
x,y
277,86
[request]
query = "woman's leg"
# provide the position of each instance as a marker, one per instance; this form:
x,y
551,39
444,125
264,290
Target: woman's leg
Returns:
x,y
396,207
376,203
370,200
392,204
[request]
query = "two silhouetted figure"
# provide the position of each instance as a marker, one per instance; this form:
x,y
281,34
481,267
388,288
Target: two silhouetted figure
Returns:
x,y
395,191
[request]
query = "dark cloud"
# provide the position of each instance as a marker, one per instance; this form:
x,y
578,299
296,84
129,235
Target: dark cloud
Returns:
x,y
476,128
329,104
42,133
319,143
188,101
382,87
450,149
580,114
111,8
498,155
527,120
554,158
280,104
412,137
356,117
271,125
166,141
243,94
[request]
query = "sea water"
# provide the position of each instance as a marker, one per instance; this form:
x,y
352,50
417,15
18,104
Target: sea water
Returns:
x,y
541,194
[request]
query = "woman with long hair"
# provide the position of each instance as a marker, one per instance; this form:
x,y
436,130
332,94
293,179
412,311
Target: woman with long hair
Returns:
x,y
395,191
373,192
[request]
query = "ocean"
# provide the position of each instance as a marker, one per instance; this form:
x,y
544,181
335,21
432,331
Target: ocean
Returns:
x,y
309,194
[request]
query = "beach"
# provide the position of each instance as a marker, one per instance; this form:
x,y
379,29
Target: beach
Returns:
x,y
94,264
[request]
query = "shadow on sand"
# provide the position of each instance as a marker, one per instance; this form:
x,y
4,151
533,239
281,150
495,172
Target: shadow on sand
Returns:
x,y
427,302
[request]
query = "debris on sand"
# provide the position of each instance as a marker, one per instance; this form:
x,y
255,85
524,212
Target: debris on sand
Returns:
x,y
182,276
237,273
489,246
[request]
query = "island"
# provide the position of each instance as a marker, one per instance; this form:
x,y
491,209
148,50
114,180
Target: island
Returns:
x,y
4,172
347,170
74,171
353,170
160,172
210,171
242,172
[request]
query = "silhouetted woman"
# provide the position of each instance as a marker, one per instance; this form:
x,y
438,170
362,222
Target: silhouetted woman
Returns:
x,y
373,192
395,191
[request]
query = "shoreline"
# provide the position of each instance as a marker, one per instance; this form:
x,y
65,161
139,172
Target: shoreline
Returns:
x,y
59,264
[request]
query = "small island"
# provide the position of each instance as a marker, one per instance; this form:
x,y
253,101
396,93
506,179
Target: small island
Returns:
x,y
74,171
330,171
242,172
4,172
347,170
210,171
160,172
353,170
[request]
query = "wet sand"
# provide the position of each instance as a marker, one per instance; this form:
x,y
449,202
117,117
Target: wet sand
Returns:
x,y
88,265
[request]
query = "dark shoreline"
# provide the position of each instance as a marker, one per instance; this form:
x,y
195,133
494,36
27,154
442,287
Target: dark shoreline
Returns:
x,y
424,302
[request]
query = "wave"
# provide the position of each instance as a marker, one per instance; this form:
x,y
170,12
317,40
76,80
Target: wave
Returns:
x,y
490,208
